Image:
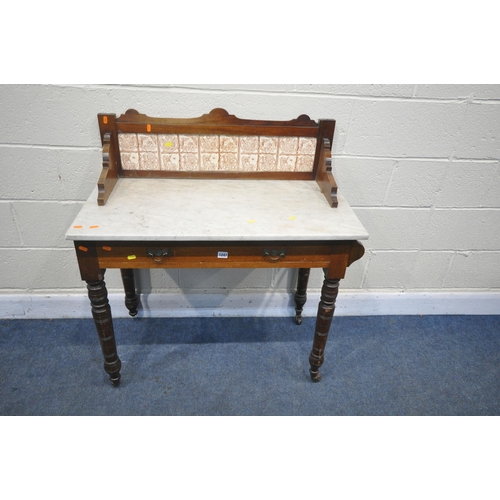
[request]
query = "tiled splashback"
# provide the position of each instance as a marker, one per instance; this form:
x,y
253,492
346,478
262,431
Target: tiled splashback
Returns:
x,y
216,152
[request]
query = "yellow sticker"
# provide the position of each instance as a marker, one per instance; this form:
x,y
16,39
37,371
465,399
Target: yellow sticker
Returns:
x,y
168,144
251,221
292,217
131,257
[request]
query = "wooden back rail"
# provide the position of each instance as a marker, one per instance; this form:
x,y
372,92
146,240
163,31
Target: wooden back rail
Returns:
x,y
214,146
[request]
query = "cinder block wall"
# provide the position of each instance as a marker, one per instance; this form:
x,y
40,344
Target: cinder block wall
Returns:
x,y
419,164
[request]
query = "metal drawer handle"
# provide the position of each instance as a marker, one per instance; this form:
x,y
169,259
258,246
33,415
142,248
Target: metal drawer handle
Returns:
x,y
274,255
157,254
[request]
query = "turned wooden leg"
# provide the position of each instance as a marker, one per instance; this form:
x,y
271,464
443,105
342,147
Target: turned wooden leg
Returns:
x,y
131,299
301,294
326,308
101,312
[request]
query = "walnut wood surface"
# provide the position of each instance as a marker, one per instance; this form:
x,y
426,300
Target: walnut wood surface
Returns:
x,y
88,262
109,173
216,174
101,312
324,176
125,255
218,121
111,163
131,298
326,309
300,296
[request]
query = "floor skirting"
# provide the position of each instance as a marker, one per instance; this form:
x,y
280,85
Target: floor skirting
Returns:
x,y
253,304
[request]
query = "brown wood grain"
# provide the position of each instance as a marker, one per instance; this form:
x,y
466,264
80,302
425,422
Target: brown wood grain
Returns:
x,y
86,253
216,174
109,172
218,121
125,255
324,178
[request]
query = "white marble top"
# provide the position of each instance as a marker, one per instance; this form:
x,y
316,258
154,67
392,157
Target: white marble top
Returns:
x,y
211,210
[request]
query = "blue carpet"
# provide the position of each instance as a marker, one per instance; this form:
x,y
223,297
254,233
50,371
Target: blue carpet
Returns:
x,y
380,365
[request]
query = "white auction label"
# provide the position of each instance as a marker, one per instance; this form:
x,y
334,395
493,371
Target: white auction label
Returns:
x,y
222,255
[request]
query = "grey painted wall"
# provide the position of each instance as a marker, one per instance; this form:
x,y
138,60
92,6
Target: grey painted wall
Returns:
x,y
418,163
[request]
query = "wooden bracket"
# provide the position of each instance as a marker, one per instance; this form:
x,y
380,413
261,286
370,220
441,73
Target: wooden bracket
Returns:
x,y
357,251
110,157
109,172
324,176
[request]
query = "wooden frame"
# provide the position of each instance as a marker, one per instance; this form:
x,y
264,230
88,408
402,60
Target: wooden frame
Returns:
x,y
218,121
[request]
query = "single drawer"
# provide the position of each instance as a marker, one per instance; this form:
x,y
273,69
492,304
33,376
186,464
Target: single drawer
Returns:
x,y
214,254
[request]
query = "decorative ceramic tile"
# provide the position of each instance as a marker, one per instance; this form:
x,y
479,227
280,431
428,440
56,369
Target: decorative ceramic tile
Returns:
x,y
228,144
267,163
168,143
214,152
304,163
286,163
147,143
130,161
149,161
248,163
228,161
268,145
209,144
170,161
209,161
307,146
189,161
188,144
249,144
288,145
128,142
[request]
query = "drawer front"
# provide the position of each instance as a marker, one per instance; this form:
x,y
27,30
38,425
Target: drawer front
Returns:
x,y
213,254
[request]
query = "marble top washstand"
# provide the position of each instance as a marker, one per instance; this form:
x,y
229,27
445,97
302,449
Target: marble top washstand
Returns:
x,y
215,210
